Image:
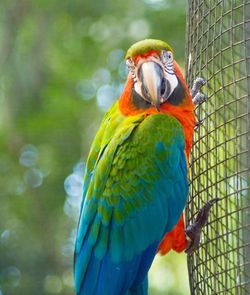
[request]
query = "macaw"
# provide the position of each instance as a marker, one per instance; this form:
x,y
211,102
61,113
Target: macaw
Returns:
x,y
136,178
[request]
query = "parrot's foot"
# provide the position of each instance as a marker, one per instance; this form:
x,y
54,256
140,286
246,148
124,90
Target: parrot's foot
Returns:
x,y
199,98
197,95
193,231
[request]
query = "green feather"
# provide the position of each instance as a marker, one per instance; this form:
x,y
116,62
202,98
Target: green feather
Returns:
x,y
145,46
135,157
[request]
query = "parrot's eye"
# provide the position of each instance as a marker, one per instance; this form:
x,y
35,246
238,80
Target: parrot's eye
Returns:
x,y
170,56
166,56
131,66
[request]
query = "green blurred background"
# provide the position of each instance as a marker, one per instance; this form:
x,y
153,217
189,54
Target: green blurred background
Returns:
x,y
61,66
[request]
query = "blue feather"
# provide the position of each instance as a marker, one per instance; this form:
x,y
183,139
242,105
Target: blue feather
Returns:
x,y
121,226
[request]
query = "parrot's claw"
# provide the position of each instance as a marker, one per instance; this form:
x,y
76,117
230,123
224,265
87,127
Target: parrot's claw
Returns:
x,y
199,98
193,231
197,85
197,95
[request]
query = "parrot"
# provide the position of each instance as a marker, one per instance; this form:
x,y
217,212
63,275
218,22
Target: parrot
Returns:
x,y
136,178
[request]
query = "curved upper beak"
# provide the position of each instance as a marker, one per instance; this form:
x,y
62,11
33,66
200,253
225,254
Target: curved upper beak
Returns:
x,y
151,77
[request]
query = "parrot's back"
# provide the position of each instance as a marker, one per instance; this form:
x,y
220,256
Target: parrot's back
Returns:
x,y
134,192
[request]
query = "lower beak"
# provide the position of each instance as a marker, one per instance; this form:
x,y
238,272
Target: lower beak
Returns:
x,y
151,76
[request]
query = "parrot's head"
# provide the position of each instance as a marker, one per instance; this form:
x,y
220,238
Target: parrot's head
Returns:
x,y
154,76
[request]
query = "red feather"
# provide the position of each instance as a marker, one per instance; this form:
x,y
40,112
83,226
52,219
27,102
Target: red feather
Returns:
x,y
175,239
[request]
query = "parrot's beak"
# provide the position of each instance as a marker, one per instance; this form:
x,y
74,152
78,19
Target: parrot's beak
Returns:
x,y
151,77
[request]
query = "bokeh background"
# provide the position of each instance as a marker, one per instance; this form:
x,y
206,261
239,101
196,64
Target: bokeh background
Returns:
x,y
61,67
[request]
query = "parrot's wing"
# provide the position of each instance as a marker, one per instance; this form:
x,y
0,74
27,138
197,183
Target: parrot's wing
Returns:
x,y
136,193
105,133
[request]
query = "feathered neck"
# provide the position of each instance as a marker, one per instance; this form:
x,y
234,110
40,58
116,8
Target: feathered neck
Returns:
x,y
183,112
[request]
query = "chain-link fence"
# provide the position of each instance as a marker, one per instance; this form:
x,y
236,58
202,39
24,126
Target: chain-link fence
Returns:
x,y
218,49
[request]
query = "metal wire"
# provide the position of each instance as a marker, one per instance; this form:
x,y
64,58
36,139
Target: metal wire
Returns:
x,y
218,49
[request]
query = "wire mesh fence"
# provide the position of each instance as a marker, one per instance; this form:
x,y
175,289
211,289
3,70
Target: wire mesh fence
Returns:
x,y
218,49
